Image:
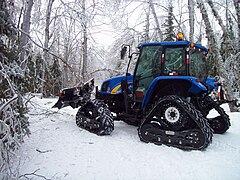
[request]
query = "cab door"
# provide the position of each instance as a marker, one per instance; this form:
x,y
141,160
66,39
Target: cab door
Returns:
x,y
148,67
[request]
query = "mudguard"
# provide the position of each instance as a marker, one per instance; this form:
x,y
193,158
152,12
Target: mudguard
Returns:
x,y
196,86
212,84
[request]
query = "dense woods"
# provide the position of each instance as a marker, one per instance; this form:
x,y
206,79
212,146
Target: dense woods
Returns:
x,y
46,45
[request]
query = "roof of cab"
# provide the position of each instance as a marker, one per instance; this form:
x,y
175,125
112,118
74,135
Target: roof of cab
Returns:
x,y
173,43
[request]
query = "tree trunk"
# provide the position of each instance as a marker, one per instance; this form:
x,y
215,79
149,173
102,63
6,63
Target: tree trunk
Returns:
x,y
46,42
85,55
146,37
226,47
191,20
159,31
25,27
214,50
237,8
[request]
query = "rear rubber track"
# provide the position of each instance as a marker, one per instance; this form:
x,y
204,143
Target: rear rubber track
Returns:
x,y
219,124
95,117
188,131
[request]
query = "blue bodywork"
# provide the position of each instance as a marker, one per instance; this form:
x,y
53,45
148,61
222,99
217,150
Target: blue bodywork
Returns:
x,y
114,84
211,83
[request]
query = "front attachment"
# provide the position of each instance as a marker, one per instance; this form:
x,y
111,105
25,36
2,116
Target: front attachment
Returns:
x,y
75,96
174,122
95,117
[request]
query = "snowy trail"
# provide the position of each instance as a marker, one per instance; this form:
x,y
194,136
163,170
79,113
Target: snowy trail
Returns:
x,y
60,150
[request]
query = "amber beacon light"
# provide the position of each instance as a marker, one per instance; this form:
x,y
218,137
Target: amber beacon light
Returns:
x,y
179,36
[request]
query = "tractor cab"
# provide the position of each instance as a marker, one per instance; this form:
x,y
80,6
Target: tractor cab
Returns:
x,y
168,60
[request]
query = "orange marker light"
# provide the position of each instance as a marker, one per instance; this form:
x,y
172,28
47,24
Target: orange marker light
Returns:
x,y
180,36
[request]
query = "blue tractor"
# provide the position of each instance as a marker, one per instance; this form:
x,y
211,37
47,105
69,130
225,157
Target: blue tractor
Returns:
x,y
168,96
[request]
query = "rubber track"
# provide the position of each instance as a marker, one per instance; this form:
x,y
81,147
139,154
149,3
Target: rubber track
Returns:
x,y
210,104
193,113
223,116
100,122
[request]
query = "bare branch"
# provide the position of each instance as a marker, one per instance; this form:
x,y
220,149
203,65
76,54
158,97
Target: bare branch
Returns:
x,y
34,173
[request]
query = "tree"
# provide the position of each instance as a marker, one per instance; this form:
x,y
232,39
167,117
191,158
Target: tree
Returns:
x,y
169,28
55,79
226,46
46,45
85,41
13,122
25,33
214,53
237,8
191,19
222,68
145,37
158,29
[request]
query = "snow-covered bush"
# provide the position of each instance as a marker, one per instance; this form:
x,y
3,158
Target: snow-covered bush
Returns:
x,y
13,127
13,122
231,75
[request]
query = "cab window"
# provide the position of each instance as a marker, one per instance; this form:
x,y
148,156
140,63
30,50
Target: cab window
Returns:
x,y
149,60
175,61
197,63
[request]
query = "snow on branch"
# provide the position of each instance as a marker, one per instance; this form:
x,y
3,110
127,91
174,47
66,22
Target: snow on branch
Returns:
x,y
113,71
33,174
49,52
13,127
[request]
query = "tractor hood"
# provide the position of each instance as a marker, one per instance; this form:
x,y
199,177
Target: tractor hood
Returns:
x,y
113,85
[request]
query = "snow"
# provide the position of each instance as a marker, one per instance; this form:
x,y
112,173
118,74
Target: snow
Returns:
x,y
58,149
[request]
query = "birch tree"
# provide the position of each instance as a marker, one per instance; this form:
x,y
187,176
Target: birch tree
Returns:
x,y
146,37
237,9
169,28
158,29
191,20
226,44
222,69
214,50
85,41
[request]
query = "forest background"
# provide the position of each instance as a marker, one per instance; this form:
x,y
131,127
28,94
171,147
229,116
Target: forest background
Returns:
x,y
46,45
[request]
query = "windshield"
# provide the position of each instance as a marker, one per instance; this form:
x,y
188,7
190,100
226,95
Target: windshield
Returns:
x,y
197,63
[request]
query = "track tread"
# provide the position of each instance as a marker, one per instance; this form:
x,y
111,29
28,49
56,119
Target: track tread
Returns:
x,y
206,105
195,116
99,121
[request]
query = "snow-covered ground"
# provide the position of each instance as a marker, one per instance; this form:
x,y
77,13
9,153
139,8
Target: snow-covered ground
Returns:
x,y
58,149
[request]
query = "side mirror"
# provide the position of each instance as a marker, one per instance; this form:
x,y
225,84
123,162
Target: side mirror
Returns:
x,y
123,52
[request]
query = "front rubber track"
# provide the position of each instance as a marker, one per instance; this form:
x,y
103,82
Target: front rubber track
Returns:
x,y
95,117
